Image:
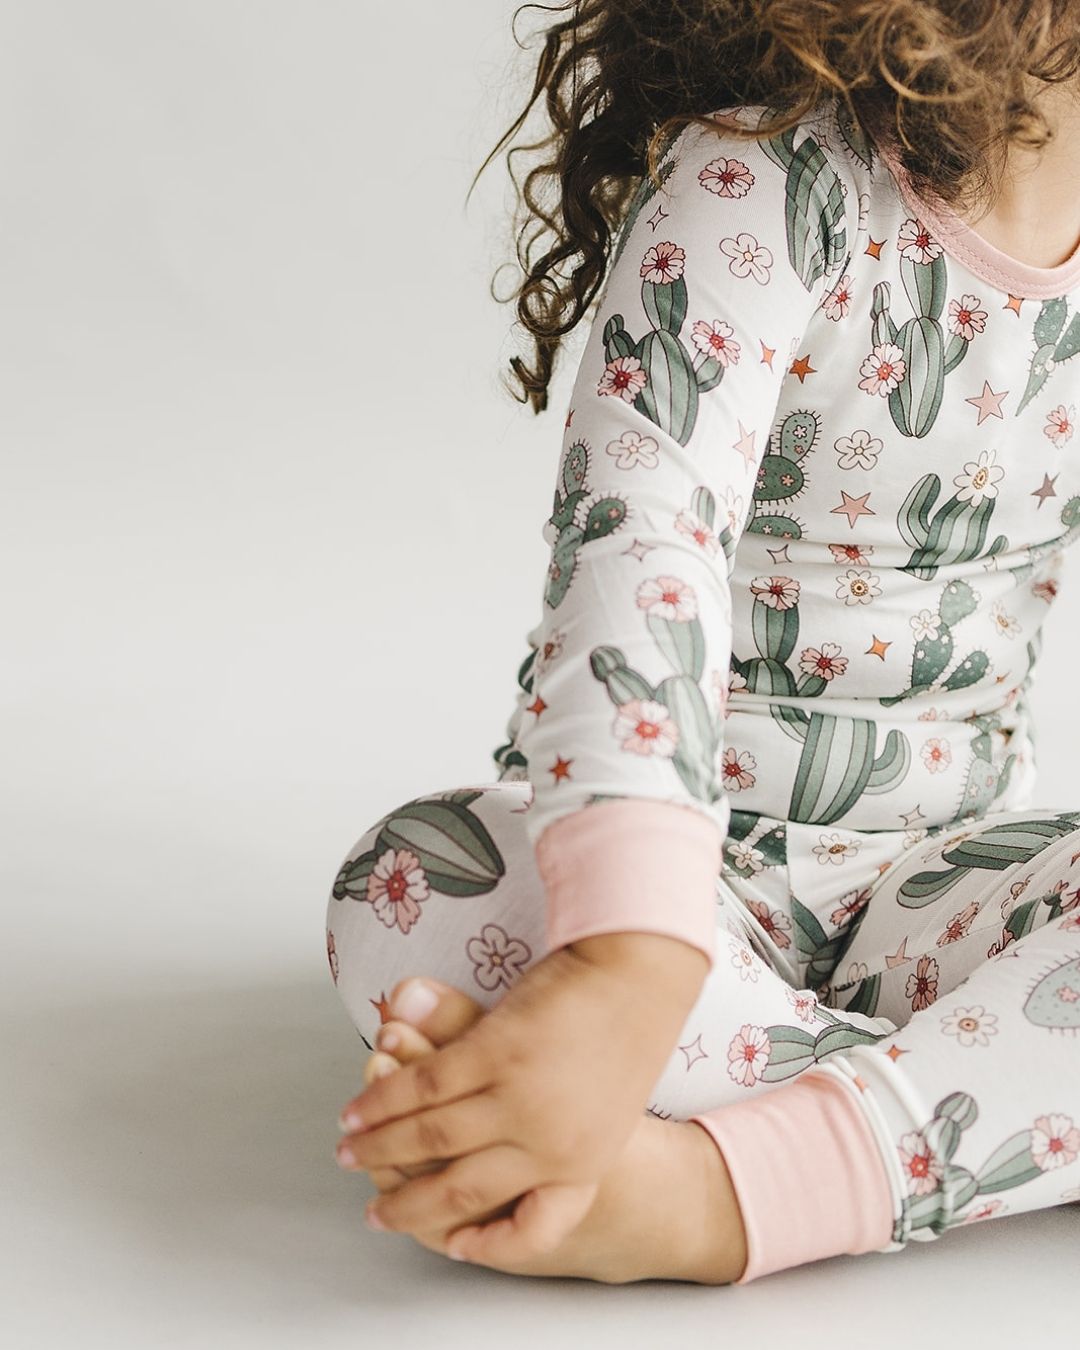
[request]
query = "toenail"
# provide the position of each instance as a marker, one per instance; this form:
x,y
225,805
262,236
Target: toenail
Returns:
x,y
351,1121
415,1001
371,1218
387,1040
346,1157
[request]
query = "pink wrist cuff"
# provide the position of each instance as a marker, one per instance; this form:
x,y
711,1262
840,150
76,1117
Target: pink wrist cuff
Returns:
x,y
807,1171
632,865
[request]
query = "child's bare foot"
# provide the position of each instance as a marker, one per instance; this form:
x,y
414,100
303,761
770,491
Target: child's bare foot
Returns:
x,y
665,1210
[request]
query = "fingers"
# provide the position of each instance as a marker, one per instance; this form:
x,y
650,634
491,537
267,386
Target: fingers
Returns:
x,y
442,1017
464,1192
443,1132
542,1219
457,1070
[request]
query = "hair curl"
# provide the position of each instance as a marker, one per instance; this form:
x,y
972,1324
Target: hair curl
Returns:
x,y
949,84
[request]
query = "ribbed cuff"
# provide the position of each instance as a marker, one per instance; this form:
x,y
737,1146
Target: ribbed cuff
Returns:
x,y
632,865
807,1171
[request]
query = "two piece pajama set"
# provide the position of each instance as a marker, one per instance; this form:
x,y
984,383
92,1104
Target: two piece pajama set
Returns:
x,y
818,474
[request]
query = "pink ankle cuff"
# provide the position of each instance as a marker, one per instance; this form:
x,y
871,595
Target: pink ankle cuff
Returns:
x,y
632,865
807,1171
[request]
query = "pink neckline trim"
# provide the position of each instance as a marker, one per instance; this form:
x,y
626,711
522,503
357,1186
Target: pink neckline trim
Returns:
x,y
983,258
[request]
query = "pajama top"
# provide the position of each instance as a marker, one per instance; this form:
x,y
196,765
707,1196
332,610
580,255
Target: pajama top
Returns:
x,y
817,476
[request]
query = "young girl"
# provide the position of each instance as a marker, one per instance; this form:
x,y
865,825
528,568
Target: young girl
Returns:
x,y
761,948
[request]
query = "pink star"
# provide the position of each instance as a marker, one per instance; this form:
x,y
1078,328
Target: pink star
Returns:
x,y
988,403
853,507
745,445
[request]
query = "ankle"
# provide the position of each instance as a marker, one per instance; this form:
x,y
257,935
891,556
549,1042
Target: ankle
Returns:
x,y
720,1255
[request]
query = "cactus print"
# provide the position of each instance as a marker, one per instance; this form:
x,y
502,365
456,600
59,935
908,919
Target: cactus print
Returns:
x,y
817,478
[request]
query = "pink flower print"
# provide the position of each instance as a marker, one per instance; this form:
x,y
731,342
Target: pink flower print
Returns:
x,y
1060,424
497,958
726,177
979,479
748,257
748,1054
856,554
395,887
825,662
970,1026
735,771
667,598
804,1003
632,449
742,958
923,1170
624,378
965,317
773,921
838,301
646,727
716,339
922,985
847,911
663,263
1069,924
958,925
331,952
936,754
883,369
776,592
986,1210
686,522
1045,590
1055,1142
916,243
720,691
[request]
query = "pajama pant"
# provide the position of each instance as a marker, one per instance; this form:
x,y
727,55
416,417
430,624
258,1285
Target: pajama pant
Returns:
x,y
942,1000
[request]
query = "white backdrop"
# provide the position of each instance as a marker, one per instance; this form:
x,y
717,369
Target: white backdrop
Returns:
x,y
272,541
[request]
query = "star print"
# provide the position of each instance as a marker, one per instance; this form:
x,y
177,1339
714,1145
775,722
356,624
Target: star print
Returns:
x,y
745,445
537,706
894,1052
692,1059
767,354
988,403
853,507
657,216
874,247
778,555
383,1005
802,368
561,768
860,1083
899,956
638,550
877,647
909,816
1014,302
569,417
1047,489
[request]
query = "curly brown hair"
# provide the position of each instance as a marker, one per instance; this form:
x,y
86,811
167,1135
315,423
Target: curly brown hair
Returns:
x,y
949,85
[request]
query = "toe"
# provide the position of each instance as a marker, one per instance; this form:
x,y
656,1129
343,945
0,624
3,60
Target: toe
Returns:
x,y
439,1010
403,1041
378,1066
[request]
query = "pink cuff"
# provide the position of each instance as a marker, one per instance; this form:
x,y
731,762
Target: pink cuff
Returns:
x,y
631,865
808,1173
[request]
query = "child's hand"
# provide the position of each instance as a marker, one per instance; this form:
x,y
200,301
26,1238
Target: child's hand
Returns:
x,y
540,1095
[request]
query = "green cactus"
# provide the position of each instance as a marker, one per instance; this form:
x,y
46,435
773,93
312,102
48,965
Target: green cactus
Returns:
x,y
780,476
934,654
1054,343
793,1049
577,518
957,533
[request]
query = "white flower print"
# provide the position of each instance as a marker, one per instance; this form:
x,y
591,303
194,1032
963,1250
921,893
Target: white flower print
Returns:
x,y
726,177
966,318
1061,423
970,1026
735,770
936,754
550,651
716,339
623,378
775,923
883,369
748,1054
834,848
825,662
1006,624
497,957
732,504
1055,1142
663,263
923,1170
856,971
860,450
837,303
744,961
748,257
686,522
926,624
857,587
777,592
396,886
736,682
915,242
644,727
979,479
667,598
632,449
747,857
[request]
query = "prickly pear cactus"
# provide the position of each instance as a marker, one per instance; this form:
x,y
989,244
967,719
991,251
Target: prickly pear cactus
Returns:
x,y
1055,1001
578,517
935,664
781,477
1054,344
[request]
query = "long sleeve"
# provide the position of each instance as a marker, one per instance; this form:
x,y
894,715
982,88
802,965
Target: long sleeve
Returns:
x,y
700,319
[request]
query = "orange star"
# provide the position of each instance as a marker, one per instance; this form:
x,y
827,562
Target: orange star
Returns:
x,y
537,706
1014,302
874,247
859,1083
877,647
894,1052
383,1006
767,354
569,416
561,768
802,368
